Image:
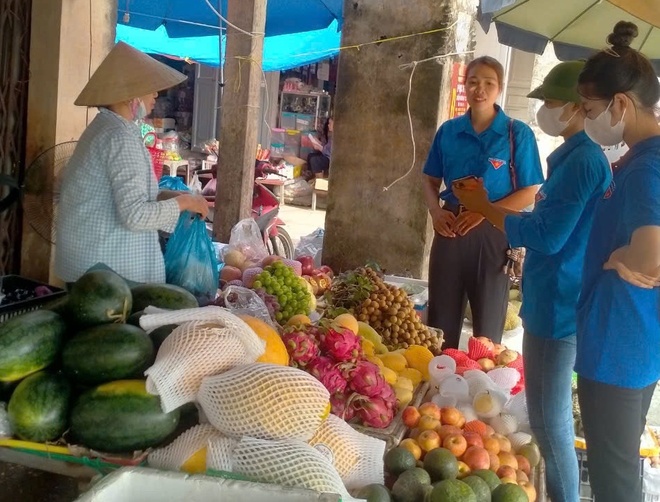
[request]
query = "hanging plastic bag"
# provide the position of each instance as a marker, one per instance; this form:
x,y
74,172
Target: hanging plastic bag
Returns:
x,y
173,183
243,301
246,246
311,245
190,260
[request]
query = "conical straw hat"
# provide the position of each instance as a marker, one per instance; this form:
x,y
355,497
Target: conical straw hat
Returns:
x,y
124,74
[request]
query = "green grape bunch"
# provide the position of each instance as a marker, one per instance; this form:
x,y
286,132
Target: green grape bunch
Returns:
x,y
282,282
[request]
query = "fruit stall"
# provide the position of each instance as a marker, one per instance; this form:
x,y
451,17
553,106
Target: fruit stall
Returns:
x,y
293,383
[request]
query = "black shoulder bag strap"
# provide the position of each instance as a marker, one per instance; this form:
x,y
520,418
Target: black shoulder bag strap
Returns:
x,y
515,256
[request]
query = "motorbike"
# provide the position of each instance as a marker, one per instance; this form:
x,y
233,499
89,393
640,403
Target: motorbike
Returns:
x,y
265,211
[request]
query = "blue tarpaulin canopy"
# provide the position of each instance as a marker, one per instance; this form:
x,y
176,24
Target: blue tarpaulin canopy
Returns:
x,y
195,18
280,52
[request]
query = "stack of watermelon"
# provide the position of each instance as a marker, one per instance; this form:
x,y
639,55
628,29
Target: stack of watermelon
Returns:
x,y
77,366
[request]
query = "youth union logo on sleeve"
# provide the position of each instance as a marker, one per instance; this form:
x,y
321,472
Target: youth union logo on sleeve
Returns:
x,y
496,163
610,190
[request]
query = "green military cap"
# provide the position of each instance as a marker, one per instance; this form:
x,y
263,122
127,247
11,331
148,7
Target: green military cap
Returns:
x,y
560,83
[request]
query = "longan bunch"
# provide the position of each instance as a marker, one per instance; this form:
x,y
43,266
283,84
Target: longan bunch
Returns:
x,y
392,314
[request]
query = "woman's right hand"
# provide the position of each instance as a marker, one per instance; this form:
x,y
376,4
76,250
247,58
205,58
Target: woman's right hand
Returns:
x,y
194,204
443,222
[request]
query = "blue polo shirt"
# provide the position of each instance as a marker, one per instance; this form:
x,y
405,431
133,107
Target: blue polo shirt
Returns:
x,y
618,324
556,233
458,151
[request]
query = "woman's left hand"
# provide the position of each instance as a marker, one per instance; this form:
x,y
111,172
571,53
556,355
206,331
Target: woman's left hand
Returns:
x,y
615,262
466,221
472,196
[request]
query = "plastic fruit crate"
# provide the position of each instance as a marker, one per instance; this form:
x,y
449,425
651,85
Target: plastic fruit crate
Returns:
x,y
11,283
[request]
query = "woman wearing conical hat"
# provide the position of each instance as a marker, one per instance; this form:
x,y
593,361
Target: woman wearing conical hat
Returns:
x,y
109,210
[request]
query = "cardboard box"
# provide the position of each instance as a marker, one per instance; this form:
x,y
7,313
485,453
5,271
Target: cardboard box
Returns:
x,y
139,484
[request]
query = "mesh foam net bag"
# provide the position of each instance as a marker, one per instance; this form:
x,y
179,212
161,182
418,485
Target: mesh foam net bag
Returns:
x,y
356,456
265,401
219,453
215,342
174,455
288,463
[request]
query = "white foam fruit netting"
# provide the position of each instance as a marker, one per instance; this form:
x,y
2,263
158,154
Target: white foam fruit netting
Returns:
x,y
356,456
174,455
208,341
266,401
288,463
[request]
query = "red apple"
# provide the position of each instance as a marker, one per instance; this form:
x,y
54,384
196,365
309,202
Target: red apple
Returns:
x,y
476,458
327,271
412,446
473,439
456,444
529,490
521,476
463,470
492,445
508,458
451,416
307,263
506,471
431,410
523,464
487,342
446,430
494,462
428,440
427,423
410,417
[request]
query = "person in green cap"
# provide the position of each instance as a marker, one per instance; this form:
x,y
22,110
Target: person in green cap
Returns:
x,y
555,235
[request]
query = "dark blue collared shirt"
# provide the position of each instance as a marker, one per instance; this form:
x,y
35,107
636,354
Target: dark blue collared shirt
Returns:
x,y
458,151
556,233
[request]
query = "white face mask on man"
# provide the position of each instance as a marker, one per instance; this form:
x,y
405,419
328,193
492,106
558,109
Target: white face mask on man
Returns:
x,y
600,129
549,119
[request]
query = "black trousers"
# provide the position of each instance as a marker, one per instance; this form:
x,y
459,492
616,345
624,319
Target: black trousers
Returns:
x,y
318,163
469,268
613,419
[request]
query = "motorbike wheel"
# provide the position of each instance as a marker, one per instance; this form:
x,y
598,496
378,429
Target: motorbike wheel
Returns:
x,y
281,244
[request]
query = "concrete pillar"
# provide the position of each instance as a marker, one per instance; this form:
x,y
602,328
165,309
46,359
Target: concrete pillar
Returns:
x,y
69,40
372,141
240,114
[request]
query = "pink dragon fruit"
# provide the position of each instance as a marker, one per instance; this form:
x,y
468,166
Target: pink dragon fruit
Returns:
x,y
367,380
389,397
342,406
342,345
374,412
333,381
320,366
302,348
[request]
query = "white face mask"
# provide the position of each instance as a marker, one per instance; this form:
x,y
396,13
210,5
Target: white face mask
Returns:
x,y
549,120
600,130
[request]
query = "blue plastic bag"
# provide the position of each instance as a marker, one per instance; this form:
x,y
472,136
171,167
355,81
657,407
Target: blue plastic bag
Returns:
x,y
190,259
173,183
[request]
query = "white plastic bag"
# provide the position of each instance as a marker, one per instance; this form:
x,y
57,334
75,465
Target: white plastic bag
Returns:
x,y
243,301
311,245
246,238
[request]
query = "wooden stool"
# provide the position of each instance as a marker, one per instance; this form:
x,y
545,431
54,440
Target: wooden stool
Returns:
x,y
320,187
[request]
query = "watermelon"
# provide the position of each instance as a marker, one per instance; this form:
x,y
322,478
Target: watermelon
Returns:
x,y
39,407
121,416
29,343
99,297
107,352
134,318
164,296
159,335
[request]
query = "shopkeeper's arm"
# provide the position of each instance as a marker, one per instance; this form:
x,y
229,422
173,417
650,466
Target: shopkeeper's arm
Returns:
x,y
168,194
